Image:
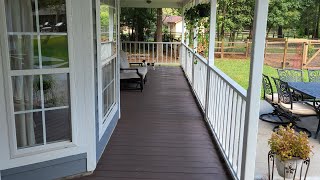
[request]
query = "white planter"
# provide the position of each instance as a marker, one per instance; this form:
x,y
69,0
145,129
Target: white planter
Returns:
x,y
287,168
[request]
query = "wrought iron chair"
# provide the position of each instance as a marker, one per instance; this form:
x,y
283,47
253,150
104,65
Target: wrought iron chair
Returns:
x,y
314,75
290,75
272,98
294,110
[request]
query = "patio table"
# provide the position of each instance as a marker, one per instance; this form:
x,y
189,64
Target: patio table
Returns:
x,y
310,89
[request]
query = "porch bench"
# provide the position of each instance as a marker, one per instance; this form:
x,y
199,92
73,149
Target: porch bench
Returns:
x,y
132,73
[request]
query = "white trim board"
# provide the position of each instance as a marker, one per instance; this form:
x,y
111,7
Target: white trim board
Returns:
x,y
143,4
81,90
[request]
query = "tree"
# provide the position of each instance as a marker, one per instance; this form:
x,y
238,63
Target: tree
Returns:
x,y
141,21
159,31
283,14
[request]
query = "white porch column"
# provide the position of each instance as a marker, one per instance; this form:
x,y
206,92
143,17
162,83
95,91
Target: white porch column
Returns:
x,y
183,25
253,98
195,33
212,35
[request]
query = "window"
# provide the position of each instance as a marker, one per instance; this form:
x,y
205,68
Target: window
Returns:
x,y
107,60
39,72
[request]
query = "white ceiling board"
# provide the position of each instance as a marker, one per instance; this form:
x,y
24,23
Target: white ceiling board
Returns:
x,y
153,4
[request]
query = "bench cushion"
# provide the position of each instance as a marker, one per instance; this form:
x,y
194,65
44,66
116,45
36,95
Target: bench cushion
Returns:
x,y
124,63
299,108
132,74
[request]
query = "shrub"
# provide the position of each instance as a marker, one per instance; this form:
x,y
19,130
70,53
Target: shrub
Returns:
x,y
287,144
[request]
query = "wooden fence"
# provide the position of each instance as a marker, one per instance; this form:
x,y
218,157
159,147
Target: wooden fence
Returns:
x,y
279,52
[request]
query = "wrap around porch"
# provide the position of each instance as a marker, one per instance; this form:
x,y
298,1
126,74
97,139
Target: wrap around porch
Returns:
x,y
161,134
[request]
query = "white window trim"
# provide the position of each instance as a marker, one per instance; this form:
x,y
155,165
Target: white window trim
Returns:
x,y
104,120
23,152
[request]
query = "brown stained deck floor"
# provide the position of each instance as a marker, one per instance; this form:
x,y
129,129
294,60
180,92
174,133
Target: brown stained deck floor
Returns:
x,y
161,135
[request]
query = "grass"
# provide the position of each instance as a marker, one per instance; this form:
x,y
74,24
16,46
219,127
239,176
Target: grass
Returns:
x,y
53,47
238,70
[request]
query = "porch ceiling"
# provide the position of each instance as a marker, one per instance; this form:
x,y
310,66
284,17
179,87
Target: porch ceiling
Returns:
x,y
153,4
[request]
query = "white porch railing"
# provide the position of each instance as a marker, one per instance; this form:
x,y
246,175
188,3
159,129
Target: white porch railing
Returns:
x,y
152,52
224,103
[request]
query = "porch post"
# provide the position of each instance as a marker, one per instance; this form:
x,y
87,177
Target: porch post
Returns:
x,y
183,30
195,34
182,37
212,35
253,93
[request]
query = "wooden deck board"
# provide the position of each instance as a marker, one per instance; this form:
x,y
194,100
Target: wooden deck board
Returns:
x,y
161,135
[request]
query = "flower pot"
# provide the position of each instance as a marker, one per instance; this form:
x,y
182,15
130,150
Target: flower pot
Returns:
x,y
287,168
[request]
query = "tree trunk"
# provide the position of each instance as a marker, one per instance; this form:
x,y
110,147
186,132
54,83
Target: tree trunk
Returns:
x,y
159,32
316,32
280,32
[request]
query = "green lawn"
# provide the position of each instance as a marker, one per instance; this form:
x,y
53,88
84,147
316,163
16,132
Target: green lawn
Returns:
x,y
53,47
238,70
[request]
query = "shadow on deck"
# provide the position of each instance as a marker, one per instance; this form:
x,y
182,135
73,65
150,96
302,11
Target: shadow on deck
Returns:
x,y
161,135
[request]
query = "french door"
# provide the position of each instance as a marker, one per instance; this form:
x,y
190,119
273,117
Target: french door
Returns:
x,y
38,75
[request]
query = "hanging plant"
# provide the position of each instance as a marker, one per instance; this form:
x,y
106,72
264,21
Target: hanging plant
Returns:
x,y
195,13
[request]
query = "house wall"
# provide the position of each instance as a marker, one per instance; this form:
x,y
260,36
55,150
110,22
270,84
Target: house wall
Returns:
x,y
48,170
103,134
178,27
80,155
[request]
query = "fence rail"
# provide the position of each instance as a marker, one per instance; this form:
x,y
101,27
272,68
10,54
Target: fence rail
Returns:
x,y
152,52
223,101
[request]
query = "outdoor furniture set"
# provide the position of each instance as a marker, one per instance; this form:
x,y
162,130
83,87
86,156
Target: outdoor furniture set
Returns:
x,y
133,76
292,98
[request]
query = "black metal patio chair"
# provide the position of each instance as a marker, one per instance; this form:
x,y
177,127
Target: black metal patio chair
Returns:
x,y
290,75
291,108
272,98
314,75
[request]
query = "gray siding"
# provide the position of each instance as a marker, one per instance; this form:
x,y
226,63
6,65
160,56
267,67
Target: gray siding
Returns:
x,y
48,170
101,145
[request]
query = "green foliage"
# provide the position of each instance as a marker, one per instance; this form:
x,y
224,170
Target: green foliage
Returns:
x,y
285,13
104,16
196,13
287,144
235,15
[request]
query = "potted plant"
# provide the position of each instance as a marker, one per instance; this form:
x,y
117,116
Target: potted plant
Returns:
x,y
290,149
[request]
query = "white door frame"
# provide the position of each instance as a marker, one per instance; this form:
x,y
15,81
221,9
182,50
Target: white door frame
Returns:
x,y
83,131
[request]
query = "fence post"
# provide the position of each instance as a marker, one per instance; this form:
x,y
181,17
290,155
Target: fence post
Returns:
x,y
305,54
285,53
247,48
253,94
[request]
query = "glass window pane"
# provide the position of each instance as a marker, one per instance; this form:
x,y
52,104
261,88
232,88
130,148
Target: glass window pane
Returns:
x,y
58,125
26,93
23,50
52,16
115,26
29,129
108,22
105,102
108,73
54,51
104,22
111,94
20,11
56,90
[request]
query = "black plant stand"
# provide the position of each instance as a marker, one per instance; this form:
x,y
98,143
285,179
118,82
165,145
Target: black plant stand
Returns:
x,y
271,162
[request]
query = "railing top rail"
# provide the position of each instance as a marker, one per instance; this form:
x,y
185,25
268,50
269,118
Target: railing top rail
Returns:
x,y
239,89
142,42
